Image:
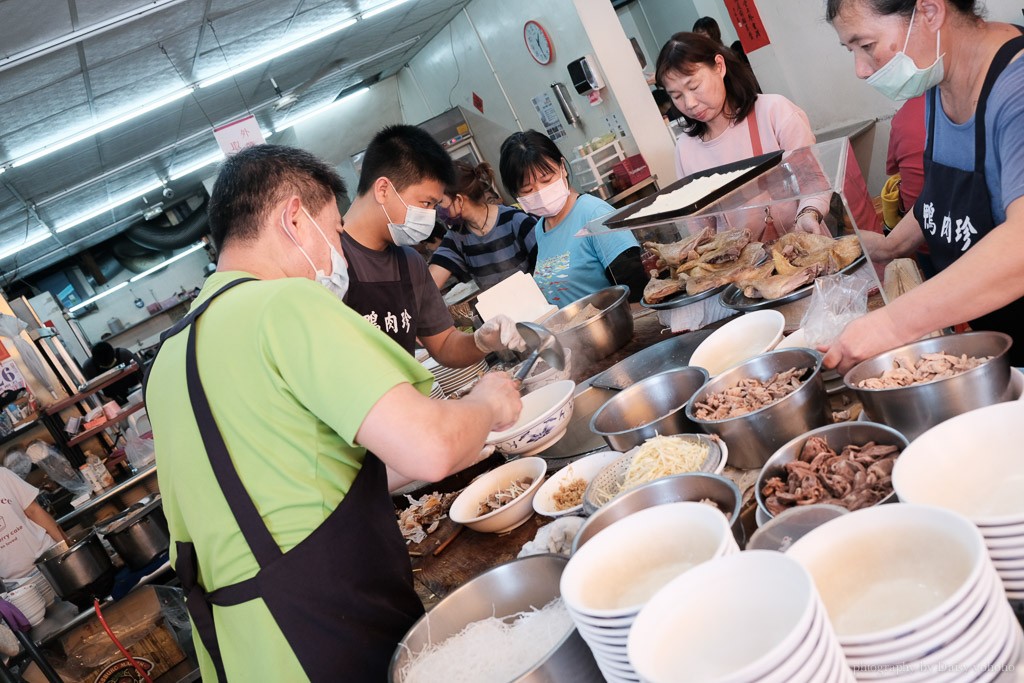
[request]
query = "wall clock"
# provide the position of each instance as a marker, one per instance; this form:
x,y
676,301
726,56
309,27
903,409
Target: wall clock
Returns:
x,y
538,42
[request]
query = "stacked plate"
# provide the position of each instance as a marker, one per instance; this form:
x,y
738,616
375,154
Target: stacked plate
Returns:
x,y
435,391
29,600
971,464
912,595
452,380
39,582
609,580
752,616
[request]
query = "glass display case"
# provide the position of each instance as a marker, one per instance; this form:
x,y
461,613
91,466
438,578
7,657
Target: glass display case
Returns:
x,y
762,215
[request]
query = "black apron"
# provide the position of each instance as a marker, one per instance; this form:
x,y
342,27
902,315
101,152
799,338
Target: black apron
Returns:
x,y
343,597
954,209
387,305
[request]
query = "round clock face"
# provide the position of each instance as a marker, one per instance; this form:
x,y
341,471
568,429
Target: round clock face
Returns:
x,y
538,42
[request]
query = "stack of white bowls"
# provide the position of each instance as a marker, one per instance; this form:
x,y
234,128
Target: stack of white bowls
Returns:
x,y
612,576
29,600
972,464
454,379
435,391
40,583
753,616
912,595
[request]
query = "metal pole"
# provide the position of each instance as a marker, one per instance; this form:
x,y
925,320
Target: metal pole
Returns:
x,y
37,657
5,674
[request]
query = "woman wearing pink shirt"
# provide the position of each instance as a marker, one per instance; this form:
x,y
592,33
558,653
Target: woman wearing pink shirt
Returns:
x,y
729,121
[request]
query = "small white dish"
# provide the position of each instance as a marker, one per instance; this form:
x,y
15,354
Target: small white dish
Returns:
x,y
585,468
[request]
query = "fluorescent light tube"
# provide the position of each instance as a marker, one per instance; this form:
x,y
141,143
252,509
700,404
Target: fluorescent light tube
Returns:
x,y
82,218
202,163
98,297
100,127
380,9
30,242
310,114
274,54
177,257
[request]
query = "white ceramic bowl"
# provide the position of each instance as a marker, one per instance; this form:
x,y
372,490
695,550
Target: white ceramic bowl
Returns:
x,y
466,507
543,420
584,468
749,335
721,622
971,464
618,569
887,571
797,339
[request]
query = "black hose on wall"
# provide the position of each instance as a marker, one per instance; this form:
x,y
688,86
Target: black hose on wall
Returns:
x,y
158,238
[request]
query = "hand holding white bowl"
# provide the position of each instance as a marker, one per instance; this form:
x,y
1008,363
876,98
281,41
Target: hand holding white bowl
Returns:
x,y
501,394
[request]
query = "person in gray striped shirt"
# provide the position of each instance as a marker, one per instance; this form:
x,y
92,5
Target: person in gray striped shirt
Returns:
x,y
486,240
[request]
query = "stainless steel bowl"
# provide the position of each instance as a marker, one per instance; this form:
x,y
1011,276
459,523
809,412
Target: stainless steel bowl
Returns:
x,y
80,571
915,409
600,336
139,534
656,405
838,437
503,591
693,486
752,438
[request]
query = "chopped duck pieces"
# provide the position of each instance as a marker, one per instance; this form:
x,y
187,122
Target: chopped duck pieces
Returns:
x,y
503,497
423,515
858,477
749,395
930,367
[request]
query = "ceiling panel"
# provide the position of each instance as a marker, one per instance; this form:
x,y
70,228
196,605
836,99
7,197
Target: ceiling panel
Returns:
x,y
27,110
95,11
38,73
148,30
24,25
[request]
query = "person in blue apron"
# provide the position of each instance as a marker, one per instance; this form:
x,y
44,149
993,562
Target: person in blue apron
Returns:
x,y
279,417
971,210
404,176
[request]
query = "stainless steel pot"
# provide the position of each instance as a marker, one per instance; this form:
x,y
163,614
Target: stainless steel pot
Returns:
x,y
503,591
650,407
79,571
600,336
139,534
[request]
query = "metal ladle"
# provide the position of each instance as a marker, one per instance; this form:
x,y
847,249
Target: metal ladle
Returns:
x,y
541,344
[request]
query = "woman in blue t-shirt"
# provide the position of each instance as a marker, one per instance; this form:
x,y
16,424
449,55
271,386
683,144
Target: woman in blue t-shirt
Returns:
x,y
486,241
568,267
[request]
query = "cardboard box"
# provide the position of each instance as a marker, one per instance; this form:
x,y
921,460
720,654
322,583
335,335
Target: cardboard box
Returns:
x,y
87,655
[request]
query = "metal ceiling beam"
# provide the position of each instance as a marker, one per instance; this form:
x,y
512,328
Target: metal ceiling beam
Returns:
x,y
91,31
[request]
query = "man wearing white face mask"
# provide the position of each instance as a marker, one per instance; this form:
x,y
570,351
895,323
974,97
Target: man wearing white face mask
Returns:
x,y
277,420
404,176
970,210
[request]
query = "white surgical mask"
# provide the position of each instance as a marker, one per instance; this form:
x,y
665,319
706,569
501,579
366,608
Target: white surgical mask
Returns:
x,y
548,200
418,225
337,281
901,79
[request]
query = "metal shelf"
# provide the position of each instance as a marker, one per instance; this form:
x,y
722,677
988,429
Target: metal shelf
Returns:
x,y
93,431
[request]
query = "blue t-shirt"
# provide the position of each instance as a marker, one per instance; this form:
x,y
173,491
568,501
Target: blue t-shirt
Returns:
x,y
510,246
571,267
1004,140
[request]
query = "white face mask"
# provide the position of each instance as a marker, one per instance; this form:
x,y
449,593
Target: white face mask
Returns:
x,y
418,225
337,281
900,79
548,200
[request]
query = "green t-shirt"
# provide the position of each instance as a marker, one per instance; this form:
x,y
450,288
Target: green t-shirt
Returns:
x,y
290,373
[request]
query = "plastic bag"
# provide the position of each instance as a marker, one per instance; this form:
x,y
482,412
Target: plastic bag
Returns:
x,y
140,452
837,300
57,467
17,461
554,538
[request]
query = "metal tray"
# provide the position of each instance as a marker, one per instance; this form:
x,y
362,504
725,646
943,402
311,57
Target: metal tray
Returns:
x,y
684,299
755,165
734,298
665,355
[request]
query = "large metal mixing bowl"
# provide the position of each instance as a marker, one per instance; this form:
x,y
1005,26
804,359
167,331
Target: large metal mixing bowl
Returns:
x,y
656,405
837,436
915,409
500,592
693,486
600,336
80,571
753,437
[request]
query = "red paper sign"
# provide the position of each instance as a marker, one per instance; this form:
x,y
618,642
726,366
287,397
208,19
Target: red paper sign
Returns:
x,y
235,136
478,102
748,24
4,353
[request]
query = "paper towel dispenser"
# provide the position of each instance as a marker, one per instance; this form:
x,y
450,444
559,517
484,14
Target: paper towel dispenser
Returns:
x,y
584,74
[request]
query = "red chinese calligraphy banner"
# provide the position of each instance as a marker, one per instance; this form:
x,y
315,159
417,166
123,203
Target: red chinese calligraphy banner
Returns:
x,y
747,22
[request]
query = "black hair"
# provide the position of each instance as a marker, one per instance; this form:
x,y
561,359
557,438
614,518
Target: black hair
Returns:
x,y
405,155
685,52
103,354
902,7
473,182
525,153
709,27
252,181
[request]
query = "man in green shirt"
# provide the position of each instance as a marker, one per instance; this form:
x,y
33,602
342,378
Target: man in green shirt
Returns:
x,y
274,418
